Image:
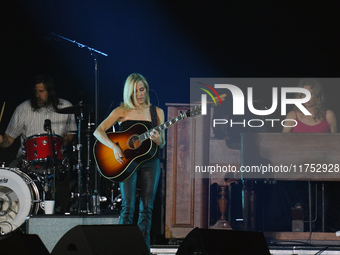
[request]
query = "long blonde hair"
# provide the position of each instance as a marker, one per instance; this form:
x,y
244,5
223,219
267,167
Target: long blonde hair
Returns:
x,y
317,90
130,87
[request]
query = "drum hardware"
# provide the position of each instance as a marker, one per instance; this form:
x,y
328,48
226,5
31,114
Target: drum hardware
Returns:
x,y
79,111
19,199
95,199
81,195
79,165
48,187
66,164
96,202
45,185
114,200
73,206
53,159
76,109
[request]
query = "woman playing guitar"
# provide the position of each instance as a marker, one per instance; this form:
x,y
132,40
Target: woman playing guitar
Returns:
x,y
135,110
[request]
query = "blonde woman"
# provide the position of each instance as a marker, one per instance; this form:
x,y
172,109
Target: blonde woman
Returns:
x,y
136,108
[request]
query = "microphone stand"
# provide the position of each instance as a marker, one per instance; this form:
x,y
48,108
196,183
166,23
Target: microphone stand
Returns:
x,y
96,83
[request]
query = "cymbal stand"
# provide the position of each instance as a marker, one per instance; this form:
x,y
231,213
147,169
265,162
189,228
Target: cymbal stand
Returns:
x,y
88,164
53,159
79,164
114,200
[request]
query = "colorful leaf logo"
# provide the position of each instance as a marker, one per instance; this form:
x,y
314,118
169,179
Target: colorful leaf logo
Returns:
x,y
209,93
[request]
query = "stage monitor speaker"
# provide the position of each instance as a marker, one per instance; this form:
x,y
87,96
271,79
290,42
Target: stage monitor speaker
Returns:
x,y
223,242
102,239
22,244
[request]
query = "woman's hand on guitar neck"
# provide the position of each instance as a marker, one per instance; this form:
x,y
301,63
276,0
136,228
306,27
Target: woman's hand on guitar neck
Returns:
x,y
118,153
156,137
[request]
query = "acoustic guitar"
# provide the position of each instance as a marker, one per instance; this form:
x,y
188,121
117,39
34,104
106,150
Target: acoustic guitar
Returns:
x,y
136,145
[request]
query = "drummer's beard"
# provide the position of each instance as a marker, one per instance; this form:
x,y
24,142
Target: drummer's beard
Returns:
x,y
41,103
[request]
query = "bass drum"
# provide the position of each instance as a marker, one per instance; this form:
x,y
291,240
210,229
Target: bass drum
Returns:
x,y
19,198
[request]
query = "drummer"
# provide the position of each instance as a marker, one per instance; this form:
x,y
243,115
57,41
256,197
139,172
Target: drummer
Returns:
x,y
30,117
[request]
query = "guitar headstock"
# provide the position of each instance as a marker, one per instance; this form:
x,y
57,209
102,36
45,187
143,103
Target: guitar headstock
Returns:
x,y
194,111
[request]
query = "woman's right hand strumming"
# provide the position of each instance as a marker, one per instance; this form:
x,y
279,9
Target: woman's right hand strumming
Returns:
x,y
118,153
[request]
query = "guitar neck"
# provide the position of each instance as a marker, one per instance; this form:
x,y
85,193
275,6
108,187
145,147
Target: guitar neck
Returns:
x,y
163,126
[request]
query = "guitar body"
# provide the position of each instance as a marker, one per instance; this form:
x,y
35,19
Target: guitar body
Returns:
x,y
135,152
136,146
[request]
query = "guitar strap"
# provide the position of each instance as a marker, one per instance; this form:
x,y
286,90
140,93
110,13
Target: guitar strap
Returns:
x,y
154,121
153,113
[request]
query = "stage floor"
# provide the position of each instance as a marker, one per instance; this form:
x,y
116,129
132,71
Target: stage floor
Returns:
x,y
50,229
288,250
284,243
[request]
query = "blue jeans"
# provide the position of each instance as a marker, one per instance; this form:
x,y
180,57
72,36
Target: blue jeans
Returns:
x,y
148,175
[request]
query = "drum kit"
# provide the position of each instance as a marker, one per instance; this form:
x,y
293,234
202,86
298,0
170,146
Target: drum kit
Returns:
x,y
22,190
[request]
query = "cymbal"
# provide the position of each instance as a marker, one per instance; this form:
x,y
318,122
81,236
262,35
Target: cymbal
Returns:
x,y
76,109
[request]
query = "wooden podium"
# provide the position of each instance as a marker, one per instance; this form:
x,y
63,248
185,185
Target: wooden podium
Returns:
x,y
186,197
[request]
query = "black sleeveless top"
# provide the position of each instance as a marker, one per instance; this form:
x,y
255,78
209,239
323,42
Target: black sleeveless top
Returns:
x,y
129,123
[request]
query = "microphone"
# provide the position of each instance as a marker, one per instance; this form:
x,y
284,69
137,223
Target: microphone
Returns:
x,y
47,125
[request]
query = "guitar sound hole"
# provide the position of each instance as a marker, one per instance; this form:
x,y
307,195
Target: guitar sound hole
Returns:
x,y
134,142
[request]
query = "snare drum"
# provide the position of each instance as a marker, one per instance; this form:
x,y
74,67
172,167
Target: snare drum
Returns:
x,y
38,148
19,198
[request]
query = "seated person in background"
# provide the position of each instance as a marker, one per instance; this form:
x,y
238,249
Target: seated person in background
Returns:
x,y
29,121
321,120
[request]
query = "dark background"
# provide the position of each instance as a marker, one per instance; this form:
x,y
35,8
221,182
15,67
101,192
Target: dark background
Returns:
x,y
167,41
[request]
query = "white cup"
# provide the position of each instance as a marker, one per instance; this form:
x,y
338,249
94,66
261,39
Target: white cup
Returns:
x,y
48,206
